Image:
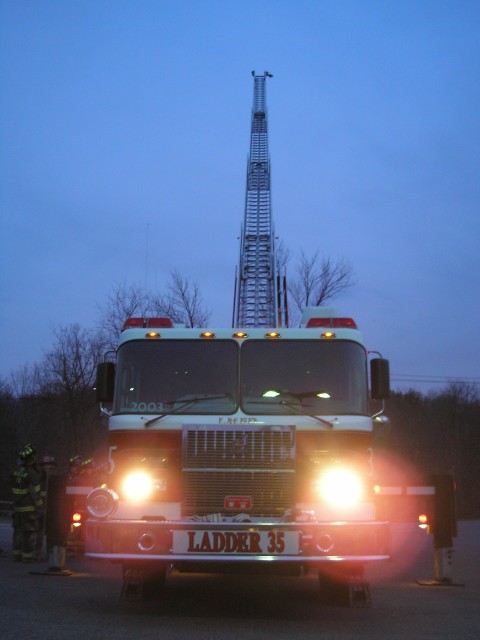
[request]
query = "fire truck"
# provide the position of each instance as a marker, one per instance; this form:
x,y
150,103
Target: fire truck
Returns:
x,y
240,451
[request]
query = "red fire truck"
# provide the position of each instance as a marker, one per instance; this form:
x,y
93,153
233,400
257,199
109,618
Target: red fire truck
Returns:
x,y
237,450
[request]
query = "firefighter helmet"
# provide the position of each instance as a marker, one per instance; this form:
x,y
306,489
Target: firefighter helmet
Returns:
x,y
28,451
75,461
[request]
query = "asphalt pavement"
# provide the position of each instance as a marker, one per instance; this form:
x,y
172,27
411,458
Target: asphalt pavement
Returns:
x,y
87,604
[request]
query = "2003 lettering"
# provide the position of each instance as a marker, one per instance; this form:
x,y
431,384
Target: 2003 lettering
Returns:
x,y
147,406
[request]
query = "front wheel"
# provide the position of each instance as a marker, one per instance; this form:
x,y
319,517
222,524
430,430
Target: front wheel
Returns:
x,y
142,581
344,585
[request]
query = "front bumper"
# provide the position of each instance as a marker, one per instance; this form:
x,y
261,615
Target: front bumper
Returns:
x,y
176,542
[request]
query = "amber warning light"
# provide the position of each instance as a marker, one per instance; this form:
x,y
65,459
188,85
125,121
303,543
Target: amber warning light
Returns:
x,y
76,519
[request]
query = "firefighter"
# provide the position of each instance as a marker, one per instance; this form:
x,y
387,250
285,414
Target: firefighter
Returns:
x,y
27,506
91,473
74,467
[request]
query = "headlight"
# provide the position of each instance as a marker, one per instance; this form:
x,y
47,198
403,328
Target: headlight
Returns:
x,y
101,502
137,486
340,487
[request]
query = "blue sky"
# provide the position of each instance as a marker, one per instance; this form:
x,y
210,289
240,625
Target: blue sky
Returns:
x,y
122,118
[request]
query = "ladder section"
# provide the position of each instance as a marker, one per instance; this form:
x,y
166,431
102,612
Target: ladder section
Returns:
x,y
256,282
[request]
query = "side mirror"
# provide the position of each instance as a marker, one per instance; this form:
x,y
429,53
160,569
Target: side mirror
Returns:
x,y
380,378
105,382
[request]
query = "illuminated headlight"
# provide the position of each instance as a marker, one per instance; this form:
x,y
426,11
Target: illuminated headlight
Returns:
x,y
101,502
340,487
137,486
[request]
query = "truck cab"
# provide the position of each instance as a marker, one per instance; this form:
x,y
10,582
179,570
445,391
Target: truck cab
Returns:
x,y
239,450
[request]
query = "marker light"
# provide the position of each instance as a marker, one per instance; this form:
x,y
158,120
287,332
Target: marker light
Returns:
x,y
207,334
137,486
240,334
328,334
340,487
152,334
272,335
76,519
423,521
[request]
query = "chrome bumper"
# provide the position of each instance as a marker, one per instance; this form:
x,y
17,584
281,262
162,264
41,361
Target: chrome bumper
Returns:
x,y
141,540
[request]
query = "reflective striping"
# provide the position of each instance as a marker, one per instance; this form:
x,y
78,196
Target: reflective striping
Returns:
x,y
388,491
405,491
79,491
420,491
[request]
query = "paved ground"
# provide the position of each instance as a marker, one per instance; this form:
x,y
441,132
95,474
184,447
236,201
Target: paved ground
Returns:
x,y
87,604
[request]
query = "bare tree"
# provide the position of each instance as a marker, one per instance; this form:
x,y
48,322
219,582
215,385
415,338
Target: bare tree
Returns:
x,y
282,257
25,381
464,392
318,281
182,304
185,301
123,302
25,387
10,438
69,377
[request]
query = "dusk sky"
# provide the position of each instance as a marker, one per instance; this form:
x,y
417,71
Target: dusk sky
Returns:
x,y
124,137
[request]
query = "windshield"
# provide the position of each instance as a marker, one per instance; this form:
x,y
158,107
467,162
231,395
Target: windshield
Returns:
x,y
304,376
310,377
177,376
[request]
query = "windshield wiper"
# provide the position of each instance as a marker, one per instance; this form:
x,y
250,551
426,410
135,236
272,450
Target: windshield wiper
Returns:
x,y
310,415
276,393
185,404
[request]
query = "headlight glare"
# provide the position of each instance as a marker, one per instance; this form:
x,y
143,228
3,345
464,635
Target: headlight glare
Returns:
x,y
137,486
340,486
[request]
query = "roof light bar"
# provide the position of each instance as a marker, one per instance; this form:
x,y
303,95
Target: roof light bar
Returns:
x,y
338,323
147,323
344,323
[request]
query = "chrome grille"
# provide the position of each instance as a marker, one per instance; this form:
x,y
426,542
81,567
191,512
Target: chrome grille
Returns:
x,y
257,462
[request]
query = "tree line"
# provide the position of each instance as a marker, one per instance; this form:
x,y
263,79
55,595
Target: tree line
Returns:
x,y
434,434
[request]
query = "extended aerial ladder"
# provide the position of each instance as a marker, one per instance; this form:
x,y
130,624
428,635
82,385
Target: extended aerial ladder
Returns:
x,y
260,292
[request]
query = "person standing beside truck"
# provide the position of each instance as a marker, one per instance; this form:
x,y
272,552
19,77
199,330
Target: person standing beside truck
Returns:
x,y
27,506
